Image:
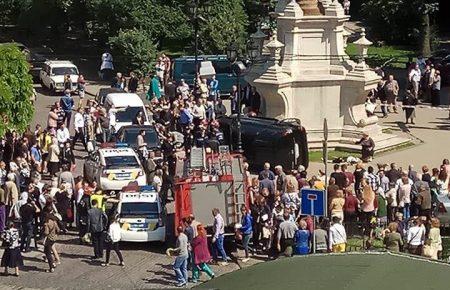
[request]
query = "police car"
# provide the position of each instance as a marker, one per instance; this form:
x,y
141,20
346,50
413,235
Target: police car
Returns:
x,y
141,215
113,167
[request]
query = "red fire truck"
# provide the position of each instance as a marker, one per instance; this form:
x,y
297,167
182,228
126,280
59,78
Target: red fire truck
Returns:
x,y
214,180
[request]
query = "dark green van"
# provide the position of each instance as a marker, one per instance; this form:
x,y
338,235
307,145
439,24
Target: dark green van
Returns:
x,y
184,68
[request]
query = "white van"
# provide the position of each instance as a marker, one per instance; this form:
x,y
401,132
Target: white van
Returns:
x,y
141,215
124,109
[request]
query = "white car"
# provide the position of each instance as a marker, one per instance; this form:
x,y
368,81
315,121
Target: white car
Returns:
x,y
141,215
53,72
114,168
123,109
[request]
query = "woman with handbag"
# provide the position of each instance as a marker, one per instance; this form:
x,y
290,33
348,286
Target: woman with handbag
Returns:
x,y
415,237
12,258
112,239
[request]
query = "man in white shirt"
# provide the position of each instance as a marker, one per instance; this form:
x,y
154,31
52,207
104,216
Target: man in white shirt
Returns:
x,y
338,236
78,125
415,237
414,78
63,135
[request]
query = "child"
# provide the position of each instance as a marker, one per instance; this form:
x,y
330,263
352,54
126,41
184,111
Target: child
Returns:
x,y
12,258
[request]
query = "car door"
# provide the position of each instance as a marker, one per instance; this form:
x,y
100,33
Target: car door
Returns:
x,y
43,73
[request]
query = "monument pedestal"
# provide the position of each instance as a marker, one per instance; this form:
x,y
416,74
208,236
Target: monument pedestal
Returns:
x,y
307,75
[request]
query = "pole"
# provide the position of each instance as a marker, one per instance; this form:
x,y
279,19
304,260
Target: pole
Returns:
x,y
239,140
325,149
313,235
196,42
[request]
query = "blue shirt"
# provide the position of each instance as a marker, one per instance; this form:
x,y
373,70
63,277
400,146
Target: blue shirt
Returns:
x,y
66,103
214,87
36,154
247,221
186,117
301,239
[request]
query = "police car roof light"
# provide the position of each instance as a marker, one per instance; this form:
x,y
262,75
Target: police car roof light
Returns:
x,y
147,188
122,145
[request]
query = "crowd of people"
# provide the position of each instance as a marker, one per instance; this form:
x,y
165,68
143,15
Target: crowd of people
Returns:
x,y
423,85
40,197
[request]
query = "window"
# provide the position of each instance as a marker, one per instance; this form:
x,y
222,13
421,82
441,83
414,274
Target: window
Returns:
x,y
128,114
121,161
130,137
64,71
222,67
147,209
188,68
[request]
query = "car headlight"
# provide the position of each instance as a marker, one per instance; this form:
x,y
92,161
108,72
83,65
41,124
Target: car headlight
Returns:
x,y
59,84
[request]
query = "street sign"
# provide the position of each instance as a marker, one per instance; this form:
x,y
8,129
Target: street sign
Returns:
x,y
313,202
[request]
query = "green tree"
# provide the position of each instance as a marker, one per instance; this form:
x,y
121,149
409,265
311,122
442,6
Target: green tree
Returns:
x,y
400,21
226,22
16,87
133,50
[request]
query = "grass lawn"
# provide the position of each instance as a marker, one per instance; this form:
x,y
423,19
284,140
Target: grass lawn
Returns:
x,y
379,55
349,272
316,156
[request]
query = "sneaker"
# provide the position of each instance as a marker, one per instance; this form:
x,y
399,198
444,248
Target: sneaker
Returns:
x,y
122,264
104,264
181,284
245,260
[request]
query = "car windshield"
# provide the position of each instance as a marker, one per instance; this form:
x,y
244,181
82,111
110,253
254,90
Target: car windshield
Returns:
x,y
128,114
64,71
130,137
147,209
121,161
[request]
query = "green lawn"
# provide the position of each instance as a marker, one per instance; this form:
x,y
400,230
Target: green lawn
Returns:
x,y
316,156
379,55
348,271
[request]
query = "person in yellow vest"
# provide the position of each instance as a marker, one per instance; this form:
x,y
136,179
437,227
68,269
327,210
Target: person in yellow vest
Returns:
x,y
100,198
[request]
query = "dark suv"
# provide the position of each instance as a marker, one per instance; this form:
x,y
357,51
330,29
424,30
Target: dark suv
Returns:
x,y
280,142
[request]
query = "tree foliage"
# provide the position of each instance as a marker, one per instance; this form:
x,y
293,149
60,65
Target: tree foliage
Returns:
x,y
398,21
227,22
133,51
16,85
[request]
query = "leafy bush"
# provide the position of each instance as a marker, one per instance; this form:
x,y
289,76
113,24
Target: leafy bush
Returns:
x,y
16,88
133,50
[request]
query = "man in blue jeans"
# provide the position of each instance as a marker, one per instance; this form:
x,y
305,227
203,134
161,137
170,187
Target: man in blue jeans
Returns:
x,y
219,230
180,264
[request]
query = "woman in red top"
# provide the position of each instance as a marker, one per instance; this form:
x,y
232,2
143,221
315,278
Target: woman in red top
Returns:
x,y
201,254
350,211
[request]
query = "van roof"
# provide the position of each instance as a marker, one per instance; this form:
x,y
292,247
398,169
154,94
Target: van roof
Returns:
x,y
121,100
60,63
202,57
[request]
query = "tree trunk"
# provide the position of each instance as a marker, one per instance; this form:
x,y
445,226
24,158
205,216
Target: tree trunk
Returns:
x,y
426,36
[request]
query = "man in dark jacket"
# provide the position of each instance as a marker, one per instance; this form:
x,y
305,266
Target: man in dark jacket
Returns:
x,y
96,224
67,106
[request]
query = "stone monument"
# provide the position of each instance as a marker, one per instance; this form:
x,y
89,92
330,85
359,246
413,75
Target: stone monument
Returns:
x,y
304,72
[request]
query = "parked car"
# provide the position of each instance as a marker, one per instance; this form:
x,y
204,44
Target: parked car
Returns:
x,y
128,134
184,68
442,209
125,108
114,167
103,92
280,142
53,72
